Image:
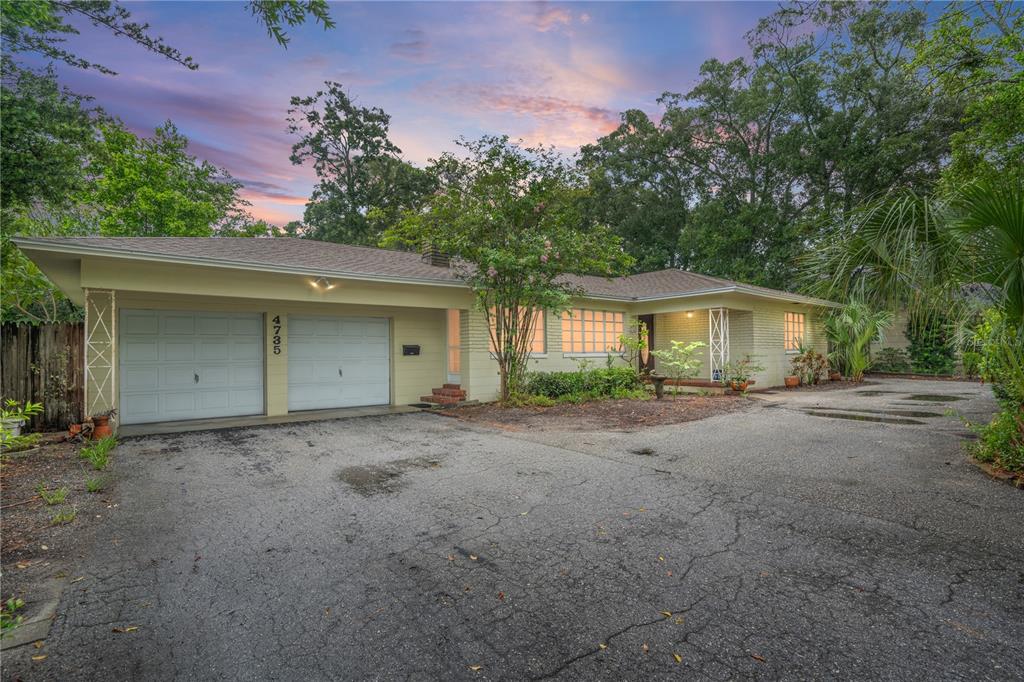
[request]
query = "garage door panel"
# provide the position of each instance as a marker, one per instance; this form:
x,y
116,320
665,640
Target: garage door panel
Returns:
x,y
162,352
135,349
178,323
209,325
245,350
359,347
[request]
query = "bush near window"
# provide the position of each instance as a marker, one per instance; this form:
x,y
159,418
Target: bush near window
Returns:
x,y
931,347
590,384
893,360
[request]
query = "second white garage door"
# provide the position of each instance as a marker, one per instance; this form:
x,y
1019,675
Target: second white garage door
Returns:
x,y
337,362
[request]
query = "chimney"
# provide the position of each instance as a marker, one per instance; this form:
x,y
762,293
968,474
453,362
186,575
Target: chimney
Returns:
x,y
436,257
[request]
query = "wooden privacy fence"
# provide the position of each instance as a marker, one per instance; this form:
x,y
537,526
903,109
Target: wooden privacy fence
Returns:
x,y
45,364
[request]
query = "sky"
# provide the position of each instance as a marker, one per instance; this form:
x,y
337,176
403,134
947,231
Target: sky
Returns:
x,y
557,73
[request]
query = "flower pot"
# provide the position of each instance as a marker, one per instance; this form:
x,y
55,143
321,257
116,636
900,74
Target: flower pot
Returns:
x,y
101,427
740,386
792,381
835,376
13,426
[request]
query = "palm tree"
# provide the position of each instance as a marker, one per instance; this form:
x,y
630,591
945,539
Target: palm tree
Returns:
x,y
852,329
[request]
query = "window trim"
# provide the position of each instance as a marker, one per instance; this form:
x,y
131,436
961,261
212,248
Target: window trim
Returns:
x,y
786,330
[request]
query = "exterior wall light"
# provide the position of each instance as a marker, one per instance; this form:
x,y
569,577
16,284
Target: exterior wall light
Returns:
x,y
689,313
323,283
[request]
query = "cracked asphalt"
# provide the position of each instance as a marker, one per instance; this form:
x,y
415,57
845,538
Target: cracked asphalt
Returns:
x,y
772,544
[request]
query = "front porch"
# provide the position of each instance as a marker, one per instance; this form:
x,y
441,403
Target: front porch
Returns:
x,y
726,333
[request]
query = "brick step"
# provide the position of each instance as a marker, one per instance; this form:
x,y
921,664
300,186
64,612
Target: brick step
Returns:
x,y
449,392
440,399
452,386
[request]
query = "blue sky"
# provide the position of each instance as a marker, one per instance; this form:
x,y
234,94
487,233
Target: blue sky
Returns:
x,y
544,72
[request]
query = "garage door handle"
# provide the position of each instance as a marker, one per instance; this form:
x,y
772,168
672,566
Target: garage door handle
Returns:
x,y
340,373
195,377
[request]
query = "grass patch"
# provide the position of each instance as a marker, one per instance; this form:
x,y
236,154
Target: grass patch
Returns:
x,y
95,484
9,617
52,497
63,517
98,453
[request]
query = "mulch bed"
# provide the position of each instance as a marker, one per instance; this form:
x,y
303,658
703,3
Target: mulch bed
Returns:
x,y
601,415
823,386
32,549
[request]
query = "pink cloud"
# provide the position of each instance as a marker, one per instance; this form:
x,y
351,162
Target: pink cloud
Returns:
x,y
547,18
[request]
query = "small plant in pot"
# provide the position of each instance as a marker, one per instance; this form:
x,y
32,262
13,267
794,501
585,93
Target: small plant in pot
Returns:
x,y
13,416
101,424
737,375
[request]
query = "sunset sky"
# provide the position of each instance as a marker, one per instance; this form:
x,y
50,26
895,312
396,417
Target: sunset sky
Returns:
x,y
544,72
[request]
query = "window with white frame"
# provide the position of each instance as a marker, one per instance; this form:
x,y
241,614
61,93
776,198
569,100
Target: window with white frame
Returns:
x,y
592,331
794,332
538,345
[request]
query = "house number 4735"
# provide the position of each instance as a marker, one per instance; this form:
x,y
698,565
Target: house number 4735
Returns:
x,y
277,335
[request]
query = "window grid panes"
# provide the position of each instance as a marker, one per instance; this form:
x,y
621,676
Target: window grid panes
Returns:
x,y
591,331
794,331
538,344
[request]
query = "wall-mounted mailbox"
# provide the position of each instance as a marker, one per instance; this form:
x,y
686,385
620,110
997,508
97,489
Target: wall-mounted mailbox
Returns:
x,y
411,350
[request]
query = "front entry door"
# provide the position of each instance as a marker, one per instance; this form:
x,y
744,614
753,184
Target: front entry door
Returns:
x,y
647,357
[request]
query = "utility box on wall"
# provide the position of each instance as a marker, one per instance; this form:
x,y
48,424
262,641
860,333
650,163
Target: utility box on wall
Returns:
x,y
411,350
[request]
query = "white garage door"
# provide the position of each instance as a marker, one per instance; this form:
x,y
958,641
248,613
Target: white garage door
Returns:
x,y
337,362
189,365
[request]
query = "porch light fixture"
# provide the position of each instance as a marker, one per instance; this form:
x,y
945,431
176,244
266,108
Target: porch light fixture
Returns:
x,y
323,283
689,313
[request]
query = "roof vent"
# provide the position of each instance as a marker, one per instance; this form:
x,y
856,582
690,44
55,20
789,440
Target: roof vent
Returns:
x,y
436,257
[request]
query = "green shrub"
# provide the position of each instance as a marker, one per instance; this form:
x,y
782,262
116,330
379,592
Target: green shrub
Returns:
x,y
931,347
98,452
1001,441
971,362
606,382
891,360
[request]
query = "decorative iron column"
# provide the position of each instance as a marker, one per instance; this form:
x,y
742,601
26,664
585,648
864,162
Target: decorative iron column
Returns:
x,y
100,351
718,335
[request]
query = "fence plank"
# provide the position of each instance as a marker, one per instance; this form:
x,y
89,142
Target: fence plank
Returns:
x,y
45,364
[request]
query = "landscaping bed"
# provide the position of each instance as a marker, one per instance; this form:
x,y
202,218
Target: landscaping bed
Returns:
x,y
602,415
40,541
825,386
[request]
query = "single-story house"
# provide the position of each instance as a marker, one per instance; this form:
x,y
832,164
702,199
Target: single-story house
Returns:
x,y
191,328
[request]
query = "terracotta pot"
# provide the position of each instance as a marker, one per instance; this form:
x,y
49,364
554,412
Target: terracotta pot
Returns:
x,y
739,385
792,381
101,427
835,376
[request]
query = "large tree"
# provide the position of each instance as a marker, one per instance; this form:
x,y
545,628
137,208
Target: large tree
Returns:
x,y
361,180
514,219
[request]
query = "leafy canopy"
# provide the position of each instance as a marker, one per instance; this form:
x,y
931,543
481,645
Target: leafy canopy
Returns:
x,y
514,219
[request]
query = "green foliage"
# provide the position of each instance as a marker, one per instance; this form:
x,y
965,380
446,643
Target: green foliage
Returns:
x,y
739,175
603,382
680,359
95,484
97,453
741,370
276,14
633,343
149,187
14,411
63,517
852,329
1001,441
362,184
932,349
976,52
52,497
809,365
893,360
9,616
514,220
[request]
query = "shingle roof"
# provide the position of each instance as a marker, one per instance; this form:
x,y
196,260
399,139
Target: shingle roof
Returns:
x,y
327,258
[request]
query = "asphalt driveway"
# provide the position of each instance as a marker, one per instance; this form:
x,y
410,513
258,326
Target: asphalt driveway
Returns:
x,y
782,542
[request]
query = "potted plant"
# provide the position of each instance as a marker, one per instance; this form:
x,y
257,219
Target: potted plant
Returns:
x,y
101,424
737,375
13,416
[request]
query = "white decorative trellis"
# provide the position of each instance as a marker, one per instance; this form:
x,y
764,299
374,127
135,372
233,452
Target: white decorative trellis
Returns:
x,y
718,335
100,350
